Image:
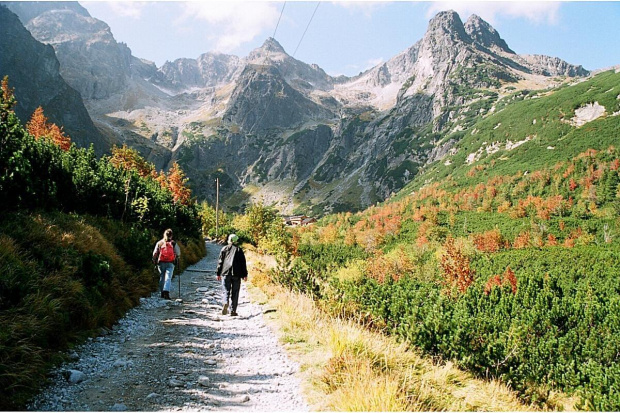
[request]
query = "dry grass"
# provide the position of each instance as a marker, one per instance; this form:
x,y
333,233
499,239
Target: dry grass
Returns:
x,y
61,278
346,367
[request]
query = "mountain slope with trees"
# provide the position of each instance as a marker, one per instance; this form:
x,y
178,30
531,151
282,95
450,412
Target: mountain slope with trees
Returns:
x,y
375,131
76,237
502,257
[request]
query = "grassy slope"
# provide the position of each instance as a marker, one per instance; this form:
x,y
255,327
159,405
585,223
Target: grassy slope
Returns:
x,y
516,115
62,277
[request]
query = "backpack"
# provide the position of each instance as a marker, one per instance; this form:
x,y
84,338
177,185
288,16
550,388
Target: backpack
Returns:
x,y
166,252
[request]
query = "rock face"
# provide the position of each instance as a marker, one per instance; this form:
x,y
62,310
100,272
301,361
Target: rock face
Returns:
x,y
483,34
209,70
37,82
91,60
263,100
273,127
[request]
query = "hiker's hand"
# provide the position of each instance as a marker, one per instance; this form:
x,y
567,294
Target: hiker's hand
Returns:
x,y
245,278
219,278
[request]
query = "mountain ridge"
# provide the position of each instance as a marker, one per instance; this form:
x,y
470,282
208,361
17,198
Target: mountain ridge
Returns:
x,y
383,124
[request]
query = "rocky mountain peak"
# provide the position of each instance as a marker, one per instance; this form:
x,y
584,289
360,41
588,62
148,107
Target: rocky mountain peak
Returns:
x,y
484,34
27,11
447,25
271,45
271,50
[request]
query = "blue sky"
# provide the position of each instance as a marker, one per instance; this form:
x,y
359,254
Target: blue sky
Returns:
x,y
346,37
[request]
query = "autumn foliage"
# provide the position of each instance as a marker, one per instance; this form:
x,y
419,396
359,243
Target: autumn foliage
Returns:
x,y
39,127
456,267
490,241
508,278
175,181
129,159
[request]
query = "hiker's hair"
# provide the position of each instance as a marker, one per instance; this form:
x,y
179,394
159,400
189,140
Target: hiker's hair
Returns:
x,y
168,235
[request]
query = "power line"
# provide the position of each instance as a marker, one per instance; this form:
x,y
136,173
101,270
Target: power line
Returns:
x,y
308,25
278,23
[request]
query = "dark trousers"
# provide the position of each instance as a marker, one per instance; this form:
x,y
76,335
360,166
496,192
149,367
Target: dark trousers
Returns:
x,y
230,290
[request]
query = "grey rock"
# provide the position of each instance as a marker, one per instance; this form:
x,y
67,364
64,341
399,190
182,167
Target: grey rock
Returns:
x,y
175,383
118,407
204,381
75,376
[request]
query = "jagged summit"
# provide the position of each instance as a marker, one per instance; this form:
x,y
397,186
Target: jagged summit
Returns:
x,y
272,46
447,25
484,34
270,50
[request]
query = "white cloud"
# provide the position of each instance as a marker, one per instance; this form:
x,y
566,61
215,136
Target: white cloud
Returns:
x,y
539,12
231,24
131,9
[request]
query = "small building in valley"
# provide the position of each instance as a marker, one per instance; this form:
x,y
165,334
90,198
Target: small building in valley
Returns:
x,y
298,220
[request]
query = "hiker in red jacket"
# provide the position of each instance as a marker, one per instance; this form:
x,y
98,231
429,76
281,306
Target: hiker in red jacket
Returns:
x,y
232,267
166,254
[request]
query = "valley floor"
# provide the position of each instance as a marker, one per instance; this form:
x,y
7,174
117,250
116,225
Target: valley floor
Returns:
x,y
180,355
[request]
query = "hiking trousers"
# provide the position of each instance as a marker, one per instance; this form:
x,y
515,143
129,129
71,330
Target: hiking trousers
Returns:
x,y
230,291
166,269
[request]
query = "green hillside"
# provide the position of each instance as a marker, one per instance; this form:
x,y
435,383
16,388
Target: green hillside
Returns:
x,y
541,117
506,264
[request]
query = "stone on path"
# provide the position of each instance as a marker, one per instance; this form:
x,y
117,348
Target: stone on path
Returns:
x,y
76,376
118,407
175,383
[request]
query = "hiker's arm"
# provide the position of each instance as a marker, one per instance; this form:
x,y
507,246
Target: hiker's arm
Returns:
x,y
243,265
220,261
156,253
177,253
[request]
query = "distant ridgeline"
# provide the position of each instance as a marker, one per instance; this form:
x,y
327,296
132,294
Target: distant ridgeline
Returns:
x,y
268,125
503,256
76,236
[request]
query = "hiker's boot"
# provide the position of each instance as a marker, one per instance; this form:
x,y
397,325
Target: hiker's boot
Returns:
x,y
162,295
225,309
167,295
233,313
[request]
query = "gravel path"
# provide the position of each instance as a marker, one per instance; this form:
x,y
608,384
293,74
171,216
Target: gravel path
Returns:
x,y
180,355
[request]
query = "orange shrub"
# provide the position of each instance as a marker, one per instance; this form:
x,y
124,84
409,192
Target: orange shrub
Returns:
x,y
508,278
455,266
522,240
490,241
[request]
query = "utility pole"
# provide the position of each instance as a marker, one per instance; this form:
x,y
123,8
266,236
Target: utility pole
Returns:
x,y
217,206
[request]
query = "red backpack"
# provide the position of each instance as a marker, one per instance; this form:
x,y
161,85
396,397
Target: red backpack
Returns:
x,y
166,252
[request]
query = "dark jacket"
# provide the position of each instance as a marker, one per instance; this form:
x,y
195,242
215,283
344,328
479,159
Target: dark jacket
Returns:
x,y
232,262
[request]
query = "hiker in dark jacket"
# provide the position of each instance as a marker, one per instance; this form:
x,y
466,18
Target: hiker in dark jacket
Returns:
x,y
231,269
165,255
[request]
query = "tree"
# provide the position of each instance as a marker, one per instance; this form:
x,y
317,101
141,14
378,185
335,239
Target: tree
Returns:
x,y
455,266
208,221
176,182
130,160
39,127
